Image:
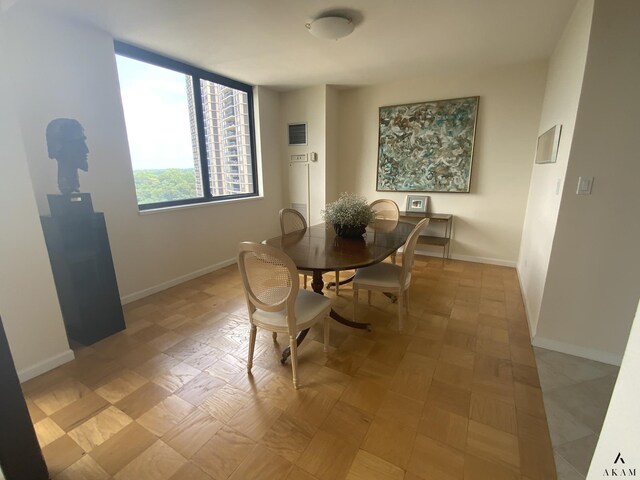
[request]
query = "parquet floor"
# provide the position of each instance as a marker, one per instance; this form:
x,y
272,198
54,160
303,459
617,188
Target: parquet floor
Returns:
x,y
455,395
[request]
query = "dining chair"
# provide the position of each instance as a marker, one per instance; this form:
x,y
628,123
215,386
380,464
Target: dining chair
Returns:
x,y
275,301
292,221
386,209
390,278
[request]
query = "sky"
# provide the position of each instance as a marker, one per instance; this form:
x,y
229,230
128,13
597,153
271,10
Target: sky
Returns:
x,y
156,112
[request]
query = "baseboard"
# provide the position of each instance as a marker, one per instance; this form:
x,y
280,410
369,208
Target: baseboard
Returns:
x,y
487,260
468,258
45,365
578,351
132,297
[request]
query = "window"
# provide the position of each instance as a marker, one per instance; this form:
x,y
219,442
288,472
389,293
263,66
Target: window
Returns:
x,y
180,122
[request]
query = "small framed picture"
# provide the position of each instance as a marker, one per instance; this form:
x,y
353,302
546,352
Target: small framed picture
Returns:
x,y
417,203
548,142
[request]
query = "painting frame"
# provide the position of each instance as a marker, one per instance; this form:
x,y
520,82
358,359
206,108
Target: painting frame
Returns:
x,y
427,146
548,145
417,203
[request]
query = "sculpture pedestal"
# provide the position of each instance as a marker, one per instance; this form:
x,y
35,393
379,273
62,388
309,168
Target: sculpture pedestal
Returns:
x,y
70,204
82,266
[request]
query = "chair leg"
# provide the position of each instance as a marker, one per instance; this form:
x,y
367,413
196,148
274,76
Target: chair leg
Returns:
x,y
355,301
369,297
400,311
337,283
274,335
327,332
293,343
406,301
393,258
252,344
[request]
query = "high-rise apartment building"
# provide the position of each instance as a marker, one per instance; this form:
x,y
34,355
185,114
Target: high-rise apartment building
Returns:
x,y
226,125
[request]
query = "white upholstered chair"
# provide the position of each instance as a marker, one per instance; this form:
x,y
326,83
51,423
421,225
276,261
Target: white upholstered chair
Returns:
x,y
389,278
386,209
274,299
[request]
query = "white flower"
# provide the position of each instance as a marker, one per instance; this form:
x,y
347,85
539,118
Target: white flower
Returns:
x,y
350,209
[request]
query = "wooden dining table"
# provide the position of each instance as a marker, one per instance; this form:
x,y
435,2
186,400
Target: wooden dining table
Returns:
x,y
320,250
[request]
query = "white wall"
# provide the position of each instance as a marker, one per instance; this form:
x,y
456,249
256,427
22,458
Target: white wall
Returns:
x,y
560,107
307,105
592,284
332,139
488,221
28,301
621,428
62,69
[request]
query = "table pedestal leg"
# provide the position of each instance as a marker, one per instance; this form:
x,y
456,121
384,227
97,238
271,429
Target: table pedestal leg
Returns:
x,y
341,282
391,296
317,285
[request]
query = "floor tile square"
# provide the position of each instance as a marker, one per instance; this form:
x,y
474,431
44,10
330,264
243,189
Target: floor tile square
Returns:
x,y
100,428
60,454
367,466
432,460
123,447
86,468
390,441
142,400
493,444
444,426
223,453
327,457
158,462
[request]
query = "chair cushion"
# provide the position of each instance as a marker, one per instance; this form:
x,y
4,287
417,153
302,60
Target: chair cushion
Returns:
x,y
308,307
380,275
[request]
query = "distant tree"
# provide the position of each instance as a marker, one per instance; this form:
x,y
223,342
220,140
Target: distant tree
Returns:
x,y
163,185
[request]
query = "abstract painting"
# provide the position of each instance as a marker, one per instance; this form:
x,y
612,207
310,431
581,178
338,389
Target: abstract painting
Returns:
x,y
427,147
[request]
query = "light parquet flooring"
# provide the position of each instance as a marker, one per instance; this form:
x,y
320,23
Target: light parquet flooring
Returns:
x,y
454,395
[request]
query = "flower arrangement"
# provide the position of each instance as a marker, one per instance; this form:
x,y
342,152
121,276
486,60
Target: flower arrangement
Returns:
x,y
349,215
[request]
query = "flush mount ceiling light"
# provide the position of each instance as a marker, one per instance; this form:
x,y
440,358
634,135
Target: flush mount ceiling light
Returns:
x,y
331,28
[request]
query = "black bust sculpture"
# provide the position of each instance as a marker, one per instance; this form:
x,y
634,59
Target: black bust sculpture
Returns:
x,y
66,144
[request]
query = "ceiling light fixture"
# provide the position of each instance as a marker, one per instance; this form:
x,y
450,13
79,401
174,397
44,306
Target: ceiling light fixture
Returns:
x,y
331,28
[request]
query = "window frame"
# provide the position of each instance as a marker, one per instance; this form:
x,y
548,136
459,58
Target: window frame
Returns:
x,y
197,74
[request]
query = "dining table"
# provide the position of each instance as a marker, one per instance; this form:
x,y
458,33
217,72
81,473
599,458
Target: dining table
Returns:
x,y
318,249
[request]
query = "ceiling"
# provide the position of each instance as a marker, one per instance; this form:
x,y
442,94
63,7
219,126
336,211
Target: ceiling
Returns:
x,y
265,42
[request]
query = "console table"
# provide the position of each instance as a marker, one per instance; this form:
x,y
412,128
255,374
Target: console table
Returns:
x,y
439,241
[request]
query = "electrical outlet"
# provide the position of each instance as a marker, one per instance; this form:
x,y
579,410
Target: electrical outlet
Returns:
x,y
584,185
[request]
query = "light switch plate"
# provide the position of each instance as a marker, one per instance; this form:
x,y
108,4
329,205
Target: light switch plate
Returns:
x,y
584,185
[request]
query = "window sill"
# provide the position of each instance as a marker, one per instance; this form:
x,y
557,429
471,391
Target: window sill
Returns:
x,y
200,205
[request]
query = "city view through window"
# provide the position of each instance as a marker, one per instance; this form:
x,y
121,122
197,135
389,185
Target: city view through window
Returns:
x,y
162,129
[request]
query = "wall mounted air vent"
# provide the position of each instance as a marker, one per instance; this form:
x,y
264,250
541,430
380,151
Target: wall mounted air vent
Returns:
x,y
297,134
